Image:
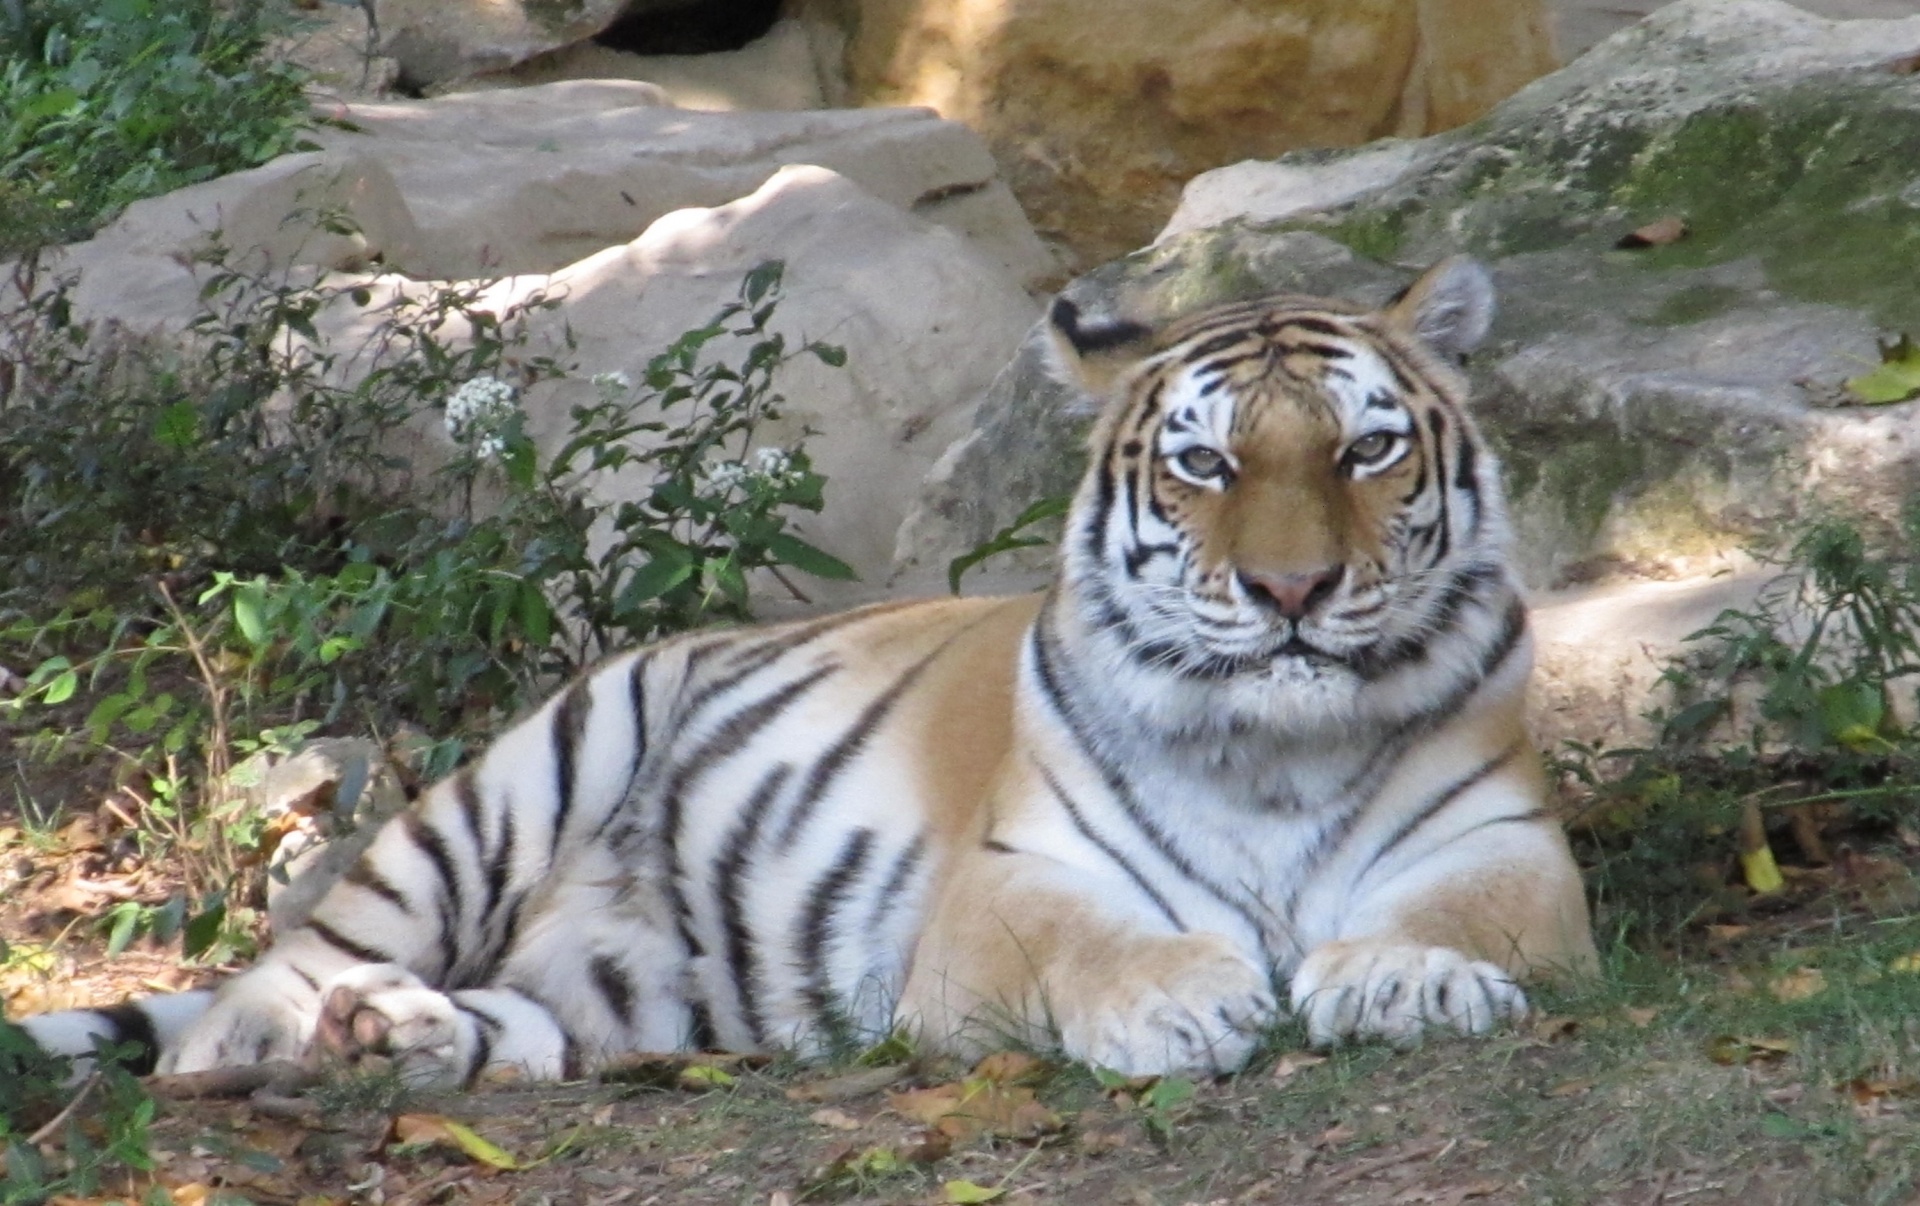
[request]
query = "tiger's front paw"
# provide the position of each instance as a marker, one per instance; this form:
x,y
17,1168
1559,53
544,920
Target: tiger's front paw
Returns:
x,y
381,1015
1190,1005
1397,991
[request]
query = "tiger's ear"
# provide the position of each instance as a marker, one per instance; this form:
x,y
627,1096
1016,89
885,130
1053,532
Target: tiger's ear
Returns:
x,y
1450,308
1091,353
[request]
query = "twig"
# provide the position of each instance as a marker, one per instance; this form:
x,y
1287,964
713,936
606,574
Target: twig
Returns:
x,y
1366,1168
281,1075
54,1123
787,582
1834,797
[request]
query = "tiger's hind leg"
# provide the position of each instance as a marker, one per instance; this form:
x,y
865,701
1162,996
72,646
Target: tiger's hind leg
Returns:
x,y
597,972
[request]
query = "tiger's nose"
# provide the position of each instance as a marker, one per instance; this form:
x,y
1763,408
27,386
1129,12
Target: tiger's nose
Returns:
x,y
1293,595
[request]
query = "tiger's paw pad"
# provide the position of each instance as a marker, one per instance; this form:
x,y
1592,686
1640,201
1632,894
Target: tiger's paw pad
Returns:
x,y
1398,992
1182,1012
381,1016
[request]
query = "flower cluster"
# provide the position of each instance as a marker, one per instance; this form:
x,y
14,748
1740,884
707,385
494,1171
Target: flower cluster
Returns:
x,y
478,413
768,467
613,386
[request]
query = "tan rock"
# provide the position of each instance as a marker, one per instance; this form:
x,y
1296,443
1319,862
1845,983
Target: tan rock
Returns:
x,y
434,40
1100,111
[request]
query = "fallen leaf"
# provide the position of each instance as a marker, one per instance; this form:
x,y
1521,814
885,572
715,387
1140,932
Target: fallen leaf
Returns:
x,y
1641,1017
1731,1049
1906,965
1799,984
1658,233
420,1130
967,1192
1292,1062
1554,1029
967,1109
1013,1067
847,1087
1866,1090
1757,864
1571,1088
1897,379
1726,933
1101,1140
677,1070
839,1120
705,1076
1337,1135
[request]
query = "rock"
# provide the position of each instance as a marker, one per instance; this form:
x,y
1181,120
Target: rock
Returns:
x,y
794,66
326,801
1100,111
435,40
1656,405
926,316
528,181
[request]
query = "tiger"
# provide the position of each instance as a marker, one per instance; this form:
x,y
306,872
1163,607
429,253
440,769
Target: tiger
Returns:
x,y
1261,739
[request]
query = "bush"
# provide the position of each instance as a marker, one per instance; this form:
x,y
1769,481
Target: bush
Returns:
x,y
204,553
103,102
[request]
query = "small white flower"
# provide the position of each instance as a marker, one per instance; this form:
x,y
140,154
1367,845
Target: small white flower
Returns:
x,y
771,463
479,411
614,384
723,476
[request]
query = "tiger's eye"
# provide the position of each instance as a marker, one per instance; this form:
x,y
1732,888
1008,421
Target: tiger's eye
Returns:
x,y
1203,463
1373,447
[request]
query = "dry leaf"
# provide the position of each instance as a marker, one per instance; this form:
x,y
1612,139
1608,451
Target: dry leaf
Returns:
x,y
1013,1068
1552,1030
965,1193
1641,1017
1571,1088
1799,984
1337,1135
1294,1061
970,1108
1658,233
839,1120
847,1087
1731,1049
1726,933
436,1129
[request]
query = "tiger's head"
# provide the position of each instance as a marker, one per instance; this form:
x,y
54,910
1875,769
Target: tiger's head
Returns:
x,y
1289,492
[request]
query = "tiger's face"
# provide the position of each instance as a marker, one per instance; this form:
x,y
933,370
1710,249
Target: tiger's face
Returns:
x,y
1287,490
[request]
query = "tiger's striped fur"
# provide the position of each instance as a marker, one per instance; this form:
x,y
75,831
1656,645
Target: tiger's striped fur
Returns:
x,y
1264,731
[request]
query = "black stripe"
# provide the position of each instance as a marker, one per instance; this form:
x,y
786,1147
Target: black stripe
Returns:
x,y
616,987
131,1025
726,741
1464,586
340,942
310,981
1208,348
1437,424
365,875
743,962
1318,326
470,809
452,902
814,930
1107,848
1438,804
1094,543
841,754
904,865
1116,783
485,1026
499,866
568,727
770,648
1326,351
998,846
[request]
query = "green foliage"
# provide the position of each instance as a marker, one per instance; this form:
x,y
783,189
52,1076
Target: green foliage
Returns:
x,y
210,553
1790,702
100,1127
1016,535
103,102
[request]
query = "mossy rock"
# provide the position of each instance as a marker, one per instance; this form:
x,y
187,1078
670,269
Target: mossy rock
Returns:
x,y
1650,402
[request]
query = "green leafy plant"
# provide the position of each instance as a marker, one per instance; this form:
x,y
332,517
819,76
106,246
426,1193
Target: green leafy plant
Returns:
x,y
206,550
103,102
1019,534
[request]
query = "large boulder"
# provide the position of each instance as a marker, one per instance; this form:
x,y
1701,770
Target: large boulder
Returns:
x,y
435,40
1099,112
901,246
1658,407
528,181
